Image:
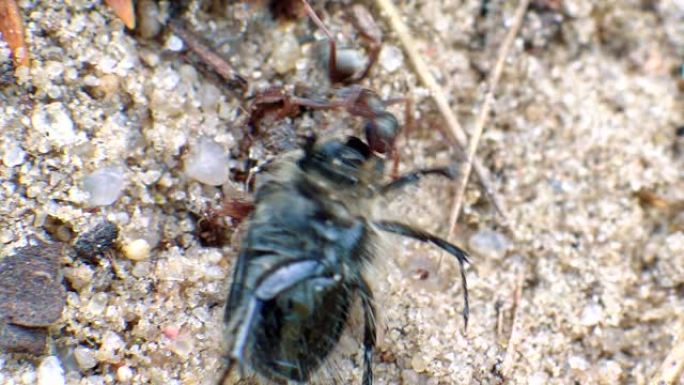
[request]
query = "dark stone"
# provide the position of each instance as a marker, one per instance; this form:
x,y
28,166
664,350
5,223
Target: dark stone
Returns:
x,y
96,241
21,339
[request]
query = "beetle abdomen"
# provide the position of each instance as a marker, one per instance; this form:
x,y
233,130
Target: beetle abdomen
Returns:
x,y
298,331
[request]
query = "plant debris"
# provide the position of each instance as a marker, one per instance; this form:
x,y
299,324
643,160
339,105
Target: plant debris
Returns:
x,y
32,297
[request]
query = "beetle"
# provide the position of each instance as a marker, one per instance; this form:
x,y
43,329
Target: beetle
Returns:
x,y
304,258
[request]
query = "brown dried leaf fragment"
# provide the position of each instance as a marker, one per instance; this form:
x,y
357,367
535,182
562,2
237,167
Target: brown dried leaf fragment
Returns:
x,y
30,286
124,10
12,31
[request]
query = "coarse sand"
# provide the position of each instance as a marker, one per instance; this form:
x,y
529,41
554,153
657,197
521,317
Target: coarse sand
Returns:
x,y
583,146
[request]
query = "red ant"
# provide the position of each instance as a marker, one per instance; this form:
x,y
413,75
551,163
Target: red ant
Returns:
x,y
381,127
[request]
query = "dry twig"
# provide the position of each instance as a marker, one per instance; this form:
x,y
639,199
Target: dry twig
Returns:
x,y
12,31
123,9
208,56
438,94
671,368
484,111
516,334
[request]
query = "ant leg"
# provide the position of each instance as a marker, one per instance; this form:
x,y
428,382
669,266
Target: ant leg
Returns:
x,y
405,180
370,32
342,71
420,235
334,75
369,332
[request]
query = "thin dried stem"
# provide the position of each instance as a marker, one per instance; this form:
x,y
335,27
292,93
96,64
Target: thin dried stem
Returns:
x,y
208,56
671,368
438,95
484,111
12,31
516,328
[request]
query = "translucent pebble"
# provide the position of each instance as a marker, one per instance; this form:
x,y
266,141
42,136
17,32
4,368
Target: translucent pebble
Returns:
x,y
488,243
54,122
137,250
104,186
84,358
174,43
111,342
592,314
391,58
79,276
538,378
141,269
13,155
209,97
50,372
149,19
578,363
409,376
207,163
97,304
286,52
610,372
26,378
183,346
124,374
350,61
418,363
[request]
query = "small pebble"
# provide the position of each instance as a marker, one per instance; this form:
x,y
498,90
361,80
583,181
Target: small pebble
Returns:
x,y
104,185
79,277
409,376
183,346
592,314
85,358
488,244
209,95
124,374
96,241
286,52
418,364
13,155
391,58
350,61
137,250
30,286
97,304
50,372
55,123
148,25
174,43
207,163
111,344
171,332
610,372
108,85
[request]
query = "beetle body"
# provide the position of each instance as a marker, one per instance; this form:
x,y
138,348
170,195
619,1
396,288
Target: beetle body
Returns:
x,y
303,259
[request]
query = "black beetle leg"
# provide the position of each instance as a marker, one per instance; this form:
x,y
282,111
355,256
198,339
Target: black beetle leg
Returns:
x,y
243,331
449,172
420,235
369,334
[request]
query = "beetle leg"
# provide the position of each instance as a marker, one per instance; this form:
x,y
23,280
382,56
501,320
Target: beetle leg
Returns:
x,y
449,172
369,334
243,330
420,235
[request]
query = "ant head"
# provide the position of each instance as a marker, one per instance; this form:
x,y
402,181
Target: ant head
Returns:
x,y
381,132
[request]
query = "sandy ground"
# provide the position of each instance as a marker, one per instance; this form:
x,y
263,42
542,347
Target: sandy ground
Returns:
x,y
586,117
